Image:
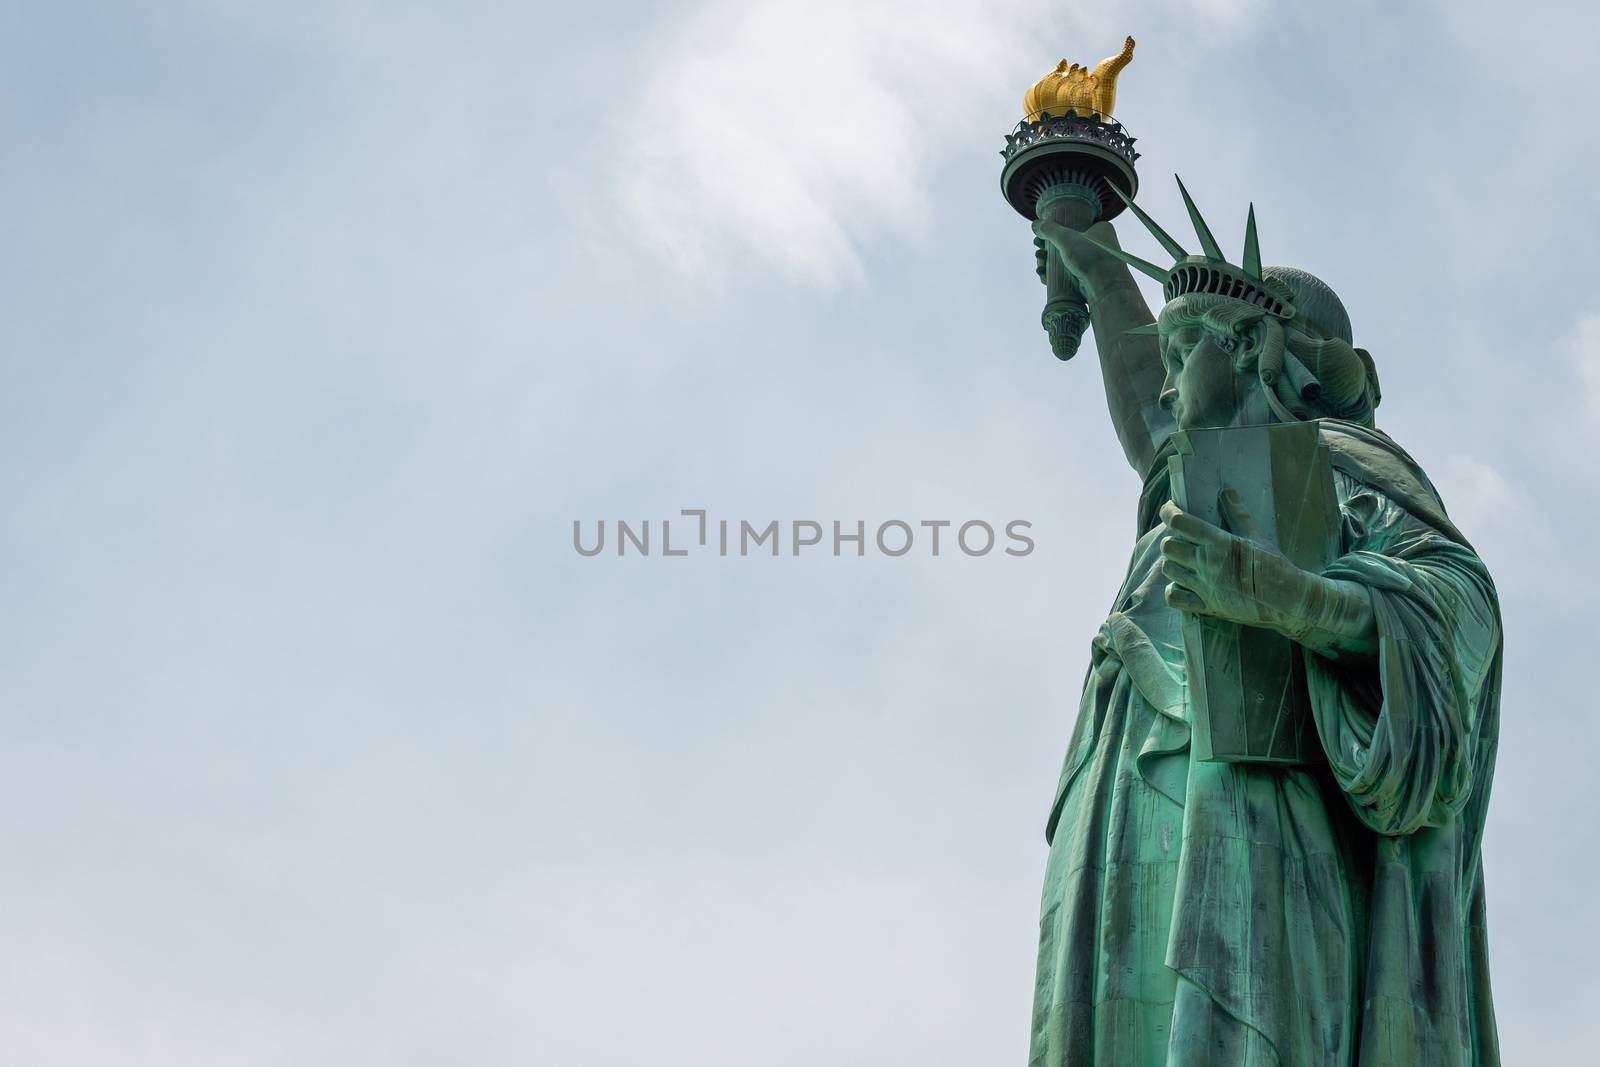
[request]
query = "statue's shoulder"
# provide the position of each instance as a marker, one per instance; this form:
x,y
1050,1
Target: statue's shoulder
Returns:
x,y
1373,458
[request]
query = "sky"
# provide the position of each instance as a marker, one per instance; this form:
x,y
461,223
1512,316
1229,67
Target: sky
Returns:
x,y
321,325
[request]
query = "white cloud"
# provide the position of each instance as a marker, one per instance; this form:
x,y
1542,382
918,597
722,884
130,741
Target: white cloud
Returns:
x,y
1583,348
792,132
1481,495
1510,528
792,135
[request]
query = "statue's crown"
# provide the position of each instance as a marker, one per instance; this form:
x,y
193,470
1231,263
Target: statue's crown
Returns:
x,y
1078,90
1210,272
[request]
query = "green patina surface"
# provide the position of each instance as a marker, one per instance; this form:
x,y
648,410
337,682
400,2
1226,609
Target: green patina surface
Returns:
x,y
1327,908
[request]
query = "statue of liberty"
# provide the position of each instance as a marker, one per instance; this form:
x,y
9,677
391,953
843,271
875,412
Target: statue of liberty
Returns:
x,y
1328,912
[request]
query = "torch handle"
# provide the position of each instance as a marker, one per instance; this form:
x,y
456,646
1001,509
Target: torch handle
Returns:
x,y
1066,312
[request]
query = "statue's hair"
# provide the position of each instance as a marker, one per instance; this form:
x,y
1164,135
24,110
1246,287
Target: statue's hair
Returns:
x,y
1306,373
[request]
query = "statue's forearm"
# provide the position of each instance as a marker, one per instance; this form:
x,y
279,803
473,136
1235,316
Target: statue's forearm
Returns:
x,y
1130,366
1335,620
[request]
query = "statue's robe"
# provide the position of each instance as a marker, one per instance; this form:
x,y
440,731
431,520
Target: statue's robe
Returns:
x,y
1210,913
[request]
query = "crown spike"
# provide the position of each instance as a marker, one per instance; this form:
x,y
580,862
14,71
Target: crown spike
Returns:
x,y
1208,243
1149,329
1160,274
1174,249
1252,250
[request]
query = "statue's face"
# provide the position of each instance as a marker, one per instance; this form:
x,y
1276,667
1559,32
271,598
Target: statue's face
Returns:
x,y
1205,385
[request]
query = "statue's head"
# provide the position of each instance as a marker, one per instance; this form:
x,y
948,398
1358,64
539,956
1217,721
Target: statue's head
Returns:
x,y
1243,345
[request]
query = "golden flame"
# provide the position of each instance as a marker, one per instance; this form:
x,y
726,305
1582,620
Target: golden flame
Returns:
x,y
1084,92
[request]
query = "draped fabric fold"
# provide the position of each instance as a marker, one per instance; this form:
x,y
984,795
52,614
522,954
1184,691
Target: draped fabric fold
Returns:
x,y
1200,913
1412,751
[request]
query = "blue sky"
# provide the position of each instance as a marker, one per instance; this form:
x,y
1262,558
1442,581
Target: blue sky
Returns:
x,y
322,323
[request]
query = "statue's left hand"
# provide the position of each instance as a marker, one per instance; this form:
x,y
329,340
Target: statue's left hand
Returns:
x,y
1227,575
1231,574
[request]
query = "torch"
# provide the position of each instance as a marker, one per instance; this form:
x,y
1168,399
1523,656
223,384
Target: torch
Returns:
x,y
1060,164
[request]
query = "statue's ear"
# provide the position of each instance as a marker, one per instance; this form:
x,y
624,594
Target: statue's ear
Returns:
x,y
1252,337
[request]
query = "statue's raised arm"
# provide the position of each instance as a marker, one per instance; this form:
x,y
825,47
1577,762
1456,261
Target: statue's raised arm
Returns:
x,y
1070,169
1130,361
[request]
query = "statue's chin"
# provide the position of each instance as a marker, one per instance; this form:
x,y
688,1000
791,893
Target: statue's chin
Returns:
x,y
1202,420
1219,414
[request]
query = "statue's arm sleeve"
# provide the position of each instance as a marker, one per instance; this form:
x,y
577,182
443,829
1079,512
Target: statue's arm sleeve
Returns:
x,y
1408,732
1131,370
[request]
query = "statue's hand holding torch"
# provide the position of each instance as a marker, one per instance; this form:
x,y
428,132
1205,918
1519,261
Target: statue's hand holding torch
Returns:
x,y
1068,167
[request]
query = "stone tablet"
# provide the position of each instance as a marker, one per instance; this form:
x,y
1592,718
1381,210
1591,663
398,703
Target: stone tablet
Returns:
x,y
1246,686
